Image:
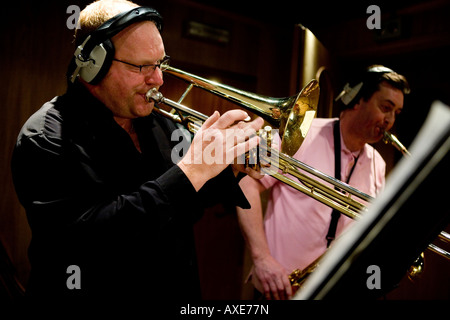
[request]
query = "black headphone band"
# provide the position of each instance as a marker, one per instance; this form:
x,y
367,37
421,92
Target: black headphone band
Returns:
x,y
119,22
371,74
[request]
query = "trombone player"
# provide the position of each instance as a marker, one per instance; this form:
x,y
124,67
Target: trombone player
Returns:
x,y
93,170
297,229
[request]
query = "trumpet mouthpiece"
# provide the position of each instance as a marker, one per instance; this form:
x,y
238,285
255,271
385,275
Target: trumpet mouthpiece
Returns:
x,y
390,138
154,95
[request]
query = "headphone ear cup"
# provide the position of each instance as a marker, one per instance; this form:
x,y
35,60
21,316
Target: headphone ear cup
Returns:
x,y
100,60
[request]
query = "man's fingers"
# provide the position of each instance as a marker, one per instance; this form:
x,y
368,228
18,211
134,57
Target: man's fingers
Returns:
x,y
288,288
230,117
274,291
242,147
254,173
211,120
279,288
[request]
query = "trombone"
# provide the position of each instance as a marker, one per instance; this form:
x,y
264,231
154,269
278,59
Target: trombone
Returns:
x,y
292,116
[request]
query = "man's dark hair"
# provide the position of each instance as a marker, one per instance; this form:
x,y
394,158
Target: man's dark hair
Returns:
x,y
371,80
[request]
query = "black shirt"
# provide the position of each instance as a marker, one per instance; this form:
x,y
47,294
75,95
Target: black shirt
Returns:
x,y
93,200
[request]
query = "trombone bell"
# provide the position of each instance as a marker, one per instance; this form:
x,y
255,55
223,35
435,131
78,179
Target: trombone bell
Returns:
x,y
297,122
291,115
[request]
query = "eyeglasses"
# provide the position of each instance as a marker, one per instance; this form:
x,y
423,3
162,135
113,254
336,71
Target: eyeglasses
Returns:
x,y
148,69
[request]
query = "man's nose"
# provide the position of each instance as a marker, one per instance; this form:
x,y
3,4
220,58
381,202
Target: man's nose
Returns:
x,y
156,78
389,119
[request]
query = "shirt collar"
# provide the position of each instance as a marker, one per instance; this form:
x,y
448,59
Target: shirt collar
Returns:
x,y
346,150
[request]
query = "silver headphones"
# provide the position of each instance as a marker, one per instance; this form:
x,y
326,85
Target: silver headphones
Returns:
x,y
93,58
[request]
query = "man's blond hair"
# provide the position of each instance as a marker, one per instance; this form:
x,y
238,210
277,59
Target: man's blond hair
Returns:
x,y
97,13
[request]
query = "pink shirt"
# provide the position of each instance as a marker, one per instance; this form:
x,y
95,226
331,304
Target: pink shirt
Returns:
x,y
296,225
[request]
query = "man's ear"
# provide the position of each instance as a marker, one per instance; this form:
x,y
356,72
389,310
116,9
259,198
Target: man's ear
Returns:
x,y
358,105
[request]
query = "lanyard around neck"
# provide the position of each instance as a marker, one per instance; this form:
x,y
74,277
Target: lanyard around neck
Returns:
x,y
335,214
337,153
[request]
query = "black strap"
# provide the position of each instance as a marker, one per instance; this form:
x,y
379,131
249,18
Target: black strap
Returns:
x,y
335,214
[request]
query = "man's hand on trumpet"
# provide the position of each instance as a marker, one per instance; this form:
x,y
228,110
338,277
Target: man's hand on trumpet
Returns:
x,y
271,278
220,142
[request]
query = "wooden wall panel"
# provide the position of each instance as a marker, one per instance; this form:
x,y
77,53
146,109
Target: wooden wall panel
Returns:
x,y
35,52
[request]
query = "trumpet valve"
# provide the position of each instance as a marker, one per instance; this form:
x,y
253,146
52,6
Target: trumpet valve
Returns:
x,y
252,159
268,139
298,277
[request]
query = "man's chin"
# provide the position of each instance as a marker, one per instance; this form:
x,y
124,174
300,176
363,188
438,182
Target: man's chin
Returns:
x,y
144,110
377,138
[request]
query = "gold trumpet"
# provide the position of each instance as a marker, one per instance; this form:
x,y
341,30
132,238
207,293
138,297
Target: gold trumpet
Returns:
x,y
292,116
390,138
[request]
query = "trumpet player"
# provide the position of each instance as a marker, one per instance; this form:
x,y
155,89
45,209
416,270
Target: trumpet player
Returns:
x,y
296,229
111,215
